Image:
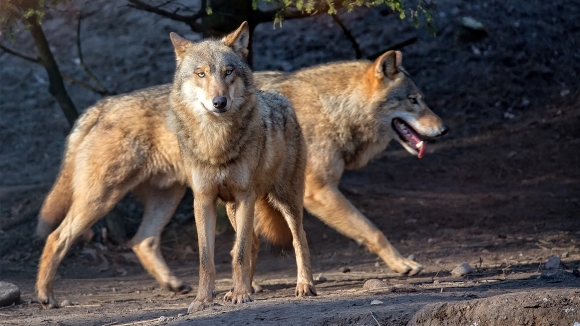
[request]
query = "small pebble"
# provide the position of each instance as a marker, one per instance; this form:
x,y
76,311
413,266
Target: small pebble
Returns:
x,y
344,269
462,270
65,303
376,302
411,257
565,254
320,278
552,263
377,264
162,319
179,315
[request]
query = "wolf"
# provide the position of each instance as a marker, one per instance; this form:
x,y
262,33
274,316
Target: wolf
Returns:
x,y
348,112
243,147
123,144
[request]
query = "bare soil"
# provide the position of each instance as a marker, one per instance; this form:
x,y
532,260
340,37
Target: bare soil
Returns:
x,y
500,192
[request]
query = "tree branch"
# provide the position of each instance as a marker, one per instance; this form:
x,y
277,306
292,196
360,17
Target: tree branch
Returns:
x,y
103,90
349,36
396,46
20,55
189,20
56,86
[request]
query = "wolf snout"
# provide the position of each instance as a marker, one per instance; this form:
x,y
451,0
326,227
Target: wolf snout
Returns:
x,y
443,130
219,102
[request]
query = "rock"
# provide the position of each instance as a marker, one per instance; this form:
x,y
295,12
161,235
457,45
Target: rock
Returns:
x,y
376,302
162,319
470,30
9,294
565,254
462,270
552,263
411,257
344,269
374,284
320,278
65,303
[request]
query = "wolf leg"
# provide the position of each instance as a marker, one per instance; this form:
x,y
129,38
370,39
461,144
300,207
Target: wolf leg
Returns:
x,y
160,204
205,219
231,210
242,253
329,204
80,217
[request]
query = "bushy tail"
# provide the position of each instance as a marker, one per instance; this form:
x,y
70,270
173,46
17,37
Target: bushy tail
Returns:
x,y
59,199
271,225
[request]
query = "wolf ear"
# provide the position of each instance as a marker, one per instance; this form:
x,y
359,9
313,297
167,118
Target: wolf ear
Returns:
x,y
179,44
239,40
388,64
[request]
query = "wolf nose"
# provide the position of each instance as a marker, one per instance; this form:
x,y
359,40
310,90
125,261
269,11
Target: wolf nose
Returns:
x,y
444,130
220,102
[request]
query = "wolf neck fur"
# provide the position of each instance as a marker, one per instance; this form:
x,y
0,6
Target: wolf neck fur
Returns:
x,y
228,133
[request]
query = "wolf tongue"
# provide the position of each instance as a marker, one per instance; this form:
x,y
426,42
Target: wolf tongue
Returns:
x,y
421,149
419,145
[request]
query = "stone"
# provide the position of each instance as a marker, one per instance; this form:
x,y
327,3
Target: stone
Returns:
x,y
9,294
376,302
374,284
65,303
552,263
462,270
344,269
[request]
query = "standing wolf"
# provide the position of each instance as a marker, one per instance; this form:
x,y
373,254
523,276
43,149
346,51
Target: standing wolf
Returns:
x,y
348,112
242,146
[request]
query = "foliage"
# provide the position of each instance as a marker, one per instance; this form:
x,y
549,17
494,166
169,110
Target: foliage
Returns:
x,y
14,11
315,6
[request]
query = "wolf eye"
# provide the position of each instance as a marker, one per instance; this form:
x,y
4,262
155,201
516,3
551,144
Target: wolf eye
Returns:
x,y
201,74
413,100
229,72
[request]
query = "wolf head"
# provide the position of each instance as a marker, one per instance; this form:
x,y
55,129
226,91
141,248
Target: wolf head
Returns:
x,y
403,112
212,76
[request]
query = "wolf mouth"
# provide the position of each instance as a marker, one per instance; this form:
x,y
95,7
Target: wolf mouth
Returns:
x,y
409,136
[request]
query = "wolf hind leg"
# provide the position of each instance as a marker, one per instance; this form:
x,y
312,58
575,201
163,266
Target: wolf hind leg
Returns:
x,y
82,214
159,206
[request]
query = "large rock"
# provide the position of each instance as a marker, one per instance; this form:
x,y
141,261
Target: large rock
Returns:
x,y
538,308
9,294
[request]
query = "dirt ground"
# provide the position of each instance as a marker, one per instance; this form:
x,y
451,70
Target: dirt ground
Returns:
x,y
501,191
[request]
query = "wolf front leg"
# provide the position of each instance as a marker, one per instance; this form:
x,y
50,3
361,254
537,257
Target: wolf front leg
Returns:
x,y
205,219
242,253
326,202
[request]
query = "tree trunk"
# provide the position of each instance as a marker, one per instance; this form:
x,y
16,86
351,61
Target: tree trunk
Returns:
x,y
56,87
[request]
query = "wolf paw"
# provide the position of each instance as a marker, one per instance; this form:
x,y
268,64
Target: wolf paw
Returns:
x,y
305,290
406,266
180,288
238,297
48,302
196,306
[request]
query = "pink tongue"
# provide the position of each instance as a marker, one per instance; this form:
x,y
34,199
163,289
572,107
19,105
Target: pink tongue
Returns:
x,y
422,148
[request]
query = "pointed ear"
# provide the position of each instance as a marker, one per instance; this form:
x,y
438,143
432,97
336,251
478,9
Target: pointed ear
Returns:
x,y
239,40
179,44
388,64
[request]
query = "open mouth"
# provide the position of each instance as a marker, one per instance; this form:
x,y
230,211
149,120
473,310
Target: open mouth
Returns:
x,y
409,136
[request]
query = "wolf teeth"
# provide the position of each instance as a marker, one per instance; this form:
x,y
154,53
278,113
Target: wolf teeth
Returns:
x,y
419,144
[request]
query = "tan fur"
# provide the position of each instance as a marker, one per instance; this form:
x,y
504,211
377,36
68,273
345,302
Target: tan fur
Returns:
x,y
345,112
241,146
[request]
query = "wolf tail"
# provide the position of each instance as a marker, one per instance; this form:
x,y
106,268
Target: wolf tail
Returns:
x,y
271,225
59,199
